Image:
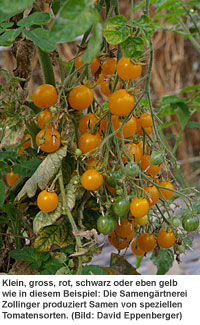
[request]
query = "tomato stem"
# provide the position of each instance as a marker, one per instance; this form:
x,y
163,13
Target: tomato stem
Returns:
x,y
46,66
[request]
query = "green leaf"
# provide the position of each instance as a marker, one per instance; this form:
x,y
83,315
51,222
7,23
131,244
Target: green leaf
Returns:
x,y
8,155
74,18
94,45
63,271
37,18
28,254
43,219
193,124
184,115
165,4
167,124
7,24
2,193
141,4
186,89
146,27
41,38
10,6
8,37
5,17
47,169
194,4
121,265
59,235
93,270
163,261
133,47
171,100
27,168
115,30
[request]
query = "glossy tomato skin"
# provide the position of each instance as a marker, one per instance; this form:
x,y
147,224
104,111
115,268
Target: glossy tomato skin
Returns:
x,y
118,243
87,122
80,97
121,102
47,201
88,142
153,194
139,207
134,149
165,239
136,249
146,242
146,120
11,178
166,193
45,117
108,66
190,223
147,167
45,96
132,169
91,180
106,224
52,140
94,66
121,207
105,87
142,221
125,230
126,70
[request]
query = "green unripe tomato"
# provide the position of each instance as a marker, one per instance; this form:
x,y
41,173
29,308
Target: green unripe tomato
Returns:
x,y
78,152
176,222
121,207
132,169
113,177
190,223
106,224
180,248
53,109
119,191
156,158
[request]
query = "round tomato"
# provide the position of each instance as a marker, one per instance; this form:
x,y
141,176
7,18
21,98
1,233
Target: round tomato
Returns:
x,y
121,102
190,223
146,120
11,178
49,140
126,70
147,167
108,66
139,207
116,241
142,221
129,128
105,87
94,66
166,193
125,230
113,177
87,122
132,169
115,122
106,224
135,151
136,249
156,158
91,180
44,117
45,96
47,201
121,207
176,222
165,239
80,97
88,142
152,194
146,242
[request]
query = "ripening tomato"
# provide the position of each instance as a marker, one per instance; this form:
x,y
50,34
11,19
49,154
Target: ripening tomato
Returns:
x,y
105,87
11,178
147,167
121,102
45,117
94,66
50,139
152,194
139,207
45,96
125,230
87,122
88,142
47,201
166,239
91,180
142,221
127,70
166,193
80,97
146,242
129,128
117,242
146,120
136,249
134,149
108,66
